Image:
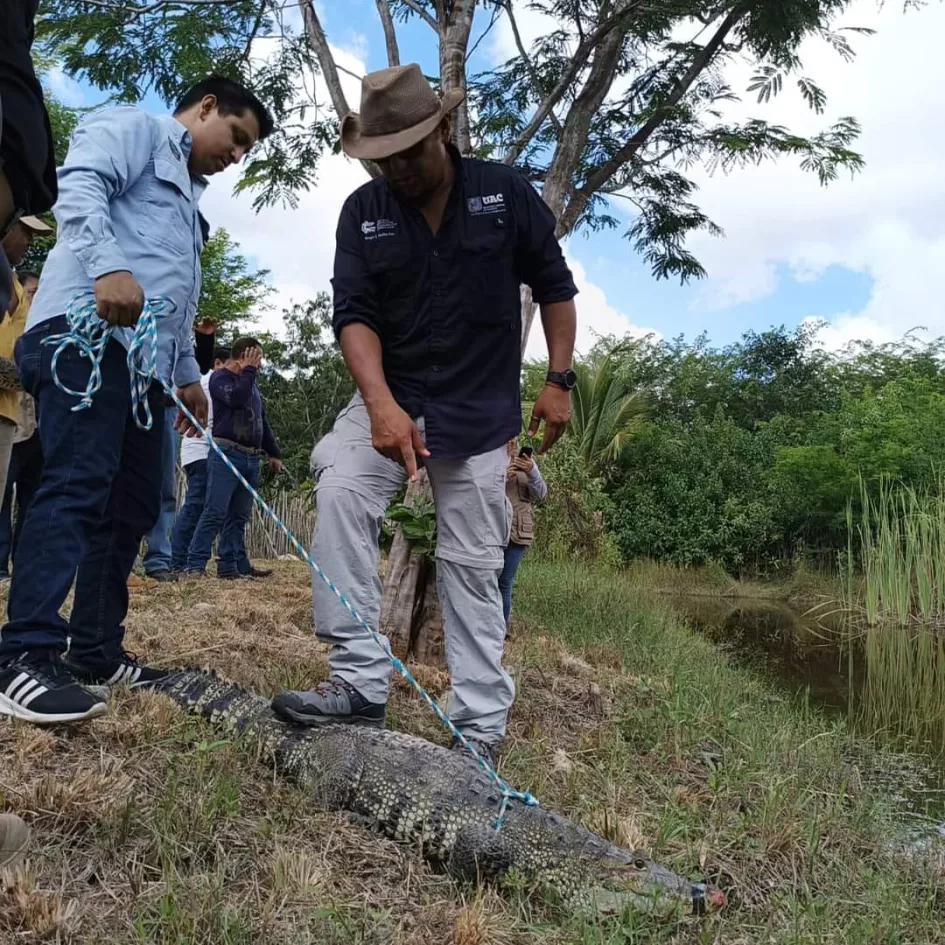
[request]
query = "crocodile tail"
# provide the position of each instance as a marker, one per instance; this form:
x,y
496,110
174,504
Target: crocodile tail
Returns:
x,y
204,693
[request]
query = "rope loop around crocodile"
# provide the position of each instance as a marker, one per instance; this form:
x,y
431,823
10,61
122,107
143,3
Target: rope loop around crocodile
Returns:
x,y
90,334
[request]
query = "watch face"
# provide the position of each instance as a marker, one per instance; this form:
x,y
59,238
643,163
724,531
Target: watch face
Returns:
x,y
565,379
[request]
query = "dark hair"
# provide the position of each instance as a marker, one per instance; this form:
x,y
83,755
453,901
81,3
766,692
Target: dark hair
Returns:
x,y
221,353
232,99
24,274
241,345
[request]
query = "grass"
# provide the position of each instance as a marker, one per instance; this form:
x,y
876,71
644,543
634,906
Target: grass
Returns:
x,y
149,828
897,608
900,537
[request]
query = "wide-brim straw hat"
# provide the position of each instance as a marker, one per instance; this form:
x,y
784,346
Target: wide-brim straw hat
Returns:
x,y
398,109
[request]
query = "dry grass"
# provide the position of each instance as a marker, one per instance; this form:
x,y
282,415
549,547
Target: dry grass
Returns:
x,y
149,828
146,828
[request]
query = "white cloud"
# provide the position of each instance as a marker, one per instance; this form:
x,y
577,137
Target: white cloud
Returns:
x,y
596,317
888,222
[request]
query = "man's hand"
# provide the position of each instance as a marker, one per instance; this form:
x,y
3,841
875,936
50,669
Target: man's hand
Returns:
x,y
554,407
205,326
195,400
275,464
251,357
119,299
396,436
523,464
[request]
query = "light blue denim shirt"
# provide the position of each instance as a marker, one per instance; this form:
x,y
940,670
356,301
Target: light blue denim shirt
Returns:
x,y
128,202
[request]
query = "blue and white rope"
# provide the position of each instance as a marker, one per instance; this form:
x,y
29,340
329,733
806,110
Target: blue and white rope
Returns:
x,y
91,334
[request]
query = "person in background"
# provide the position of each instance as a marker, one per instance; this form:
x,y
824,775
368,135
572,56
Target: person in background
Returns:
x,y
28,183
29,280
523,485
193,457
26,459
158,560
16,244
240,428
128,230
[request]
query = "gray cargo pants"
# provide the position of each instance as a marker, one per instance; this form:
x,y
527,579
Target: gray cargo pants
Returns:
x,y
355,484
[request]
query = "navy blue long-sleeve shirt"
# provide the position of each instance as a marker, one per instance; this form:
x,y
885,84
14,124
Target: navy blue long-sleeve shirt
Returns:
x,y
238,412
447,308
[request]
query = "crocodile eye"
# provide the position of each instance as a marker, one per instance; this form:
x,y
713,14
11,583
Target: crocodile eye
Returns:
x,y
640,863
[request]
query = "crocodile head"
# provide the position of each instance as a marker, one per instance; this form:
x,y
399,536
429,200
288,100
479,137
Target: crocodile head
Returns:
x,y
632,881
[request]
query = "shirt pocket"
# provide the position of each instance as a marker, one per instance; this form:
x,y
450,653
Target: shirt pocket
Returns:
x,y
487,266
167,209
394,276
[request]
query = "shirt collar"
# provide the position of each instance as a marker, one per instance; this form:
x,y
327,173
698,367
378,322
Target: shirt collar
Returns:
x,y
459,179
181,136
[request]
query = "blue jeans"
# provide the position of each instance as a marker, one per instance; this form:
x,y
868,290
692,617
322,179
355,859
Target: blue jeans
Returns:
x,y
26,467
513,558
190,511
99,494
158,557
228,506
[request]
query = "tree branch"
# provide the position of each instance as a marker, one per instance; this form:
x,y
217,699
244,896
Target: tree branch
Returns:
x,y
422,14
492,22
252,35
116,6
529,65
315,36
390,34
581,55
454,42
596,180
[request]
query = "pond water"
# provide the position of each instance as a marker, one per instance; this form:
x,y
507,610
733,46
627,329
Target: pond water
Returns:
x,y
890,683
794,650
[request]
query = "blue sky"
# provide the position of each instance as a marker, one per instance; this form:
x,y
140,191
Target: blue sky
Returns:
x,y
866,255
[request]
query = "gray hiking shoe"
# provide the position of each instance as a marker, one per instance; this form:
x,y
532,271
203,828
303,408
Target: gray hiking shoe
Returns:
x,y
488,751
333,702
14,837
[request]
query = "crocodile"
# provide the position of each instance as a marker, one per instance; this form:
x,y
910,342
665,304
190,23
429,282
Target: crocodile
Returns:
x,y
443,802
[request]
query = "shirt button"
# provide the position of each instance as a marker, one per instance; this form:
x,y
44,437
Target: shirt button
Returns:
x,y
436,252
436,369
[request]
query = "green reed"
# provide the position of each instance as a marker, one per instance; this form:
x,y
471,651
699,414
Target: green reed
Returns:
x,y
900,537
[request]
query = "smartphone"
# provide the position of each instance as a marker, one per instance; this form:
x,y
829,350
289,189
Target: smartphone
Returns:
x,y
526,451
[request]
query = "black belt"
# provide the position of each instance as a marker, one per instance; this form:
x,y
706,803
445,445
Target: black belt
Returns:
x,y
250,450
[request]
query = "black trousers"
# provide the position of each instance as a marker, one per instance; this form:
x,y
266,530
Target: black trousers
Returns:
x,y
27,157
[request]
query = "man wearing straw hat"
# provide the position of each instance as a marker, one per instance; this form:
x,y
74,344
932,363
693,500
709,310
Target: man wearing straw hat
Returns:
x,y
429,263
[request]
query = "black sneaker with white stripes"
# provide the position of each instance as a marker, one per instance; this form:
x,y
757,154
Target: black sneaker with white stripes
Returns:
x,y
128,671
38,688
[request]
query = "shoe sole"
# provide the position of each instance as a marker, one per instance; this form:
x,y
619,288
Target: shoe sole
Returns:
x,y
9,707
102,690
316,721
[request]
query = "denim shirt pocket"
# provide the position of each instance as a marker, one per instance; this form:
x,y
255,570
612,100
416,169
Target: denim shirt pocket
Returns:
x,y
167,210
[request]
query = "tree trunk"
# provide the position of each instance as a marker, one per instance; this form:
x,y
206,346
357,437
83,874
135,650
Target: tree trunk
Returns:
x,y
454,41
399,599
427,646
411,615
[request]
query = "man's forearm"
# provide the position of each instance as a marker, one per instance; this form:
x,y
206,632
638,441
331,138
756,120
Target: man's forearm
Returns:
x,y
362,352
559,320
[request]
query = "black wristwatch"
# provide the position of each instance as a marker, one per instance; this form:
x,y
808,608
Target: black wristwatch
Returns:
x,y
566,379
